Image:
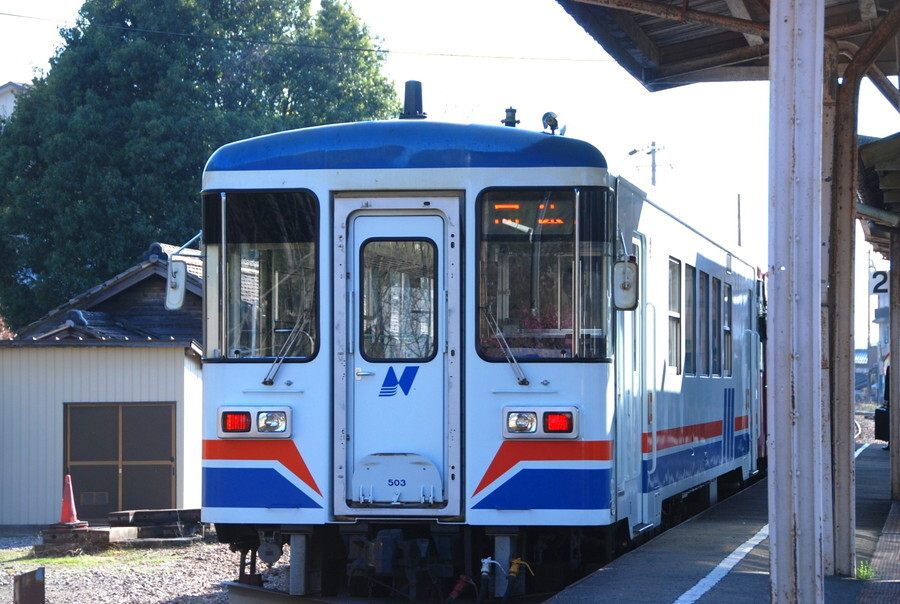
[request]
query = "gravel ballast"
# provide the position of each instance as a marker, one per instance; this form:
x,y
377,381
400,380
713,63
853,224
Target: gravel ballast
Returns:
x,y
187,574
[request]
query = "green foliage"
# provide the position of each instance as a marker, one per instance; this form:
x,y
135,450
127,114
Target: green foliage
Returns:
x,y
865,571
91,558
103,156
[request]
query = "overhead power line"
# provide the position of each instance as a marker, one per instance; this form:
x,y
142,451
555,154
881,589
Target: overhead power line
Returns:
x,y
253,42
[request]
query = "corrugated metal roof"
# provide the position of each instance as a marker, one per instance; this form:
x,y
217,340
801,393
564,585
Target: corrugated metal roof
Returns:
x,y
670,43
879,188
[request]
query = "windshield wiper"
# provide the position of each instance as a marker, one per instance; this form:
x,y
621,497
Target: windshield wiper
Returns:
x,y
285,349
504,346
519,227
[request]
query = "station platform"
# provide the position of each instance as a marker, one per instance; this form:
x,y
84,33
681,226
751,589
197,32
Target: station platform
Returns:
x,y
722,555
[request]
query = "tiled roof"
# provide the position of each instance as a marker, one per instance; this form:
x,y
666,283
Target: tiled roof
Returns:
x,y
127,308
191,257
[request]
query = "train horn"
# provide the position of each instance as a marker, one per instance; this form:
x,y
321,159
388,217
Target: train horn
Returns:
x,y
412,103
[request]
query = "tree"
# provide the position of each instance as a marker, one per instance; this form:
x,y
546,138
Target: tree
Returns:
x,y
103,155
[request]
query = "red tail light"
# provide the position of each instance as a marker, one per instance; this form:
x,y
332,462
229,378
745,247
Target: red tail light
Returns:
x,y
558,422
236,421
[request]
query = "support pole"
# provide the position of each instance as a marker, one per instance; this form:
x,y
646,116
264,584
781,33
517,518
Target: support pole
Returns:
x,y
829,113
894,394
842,245
795,276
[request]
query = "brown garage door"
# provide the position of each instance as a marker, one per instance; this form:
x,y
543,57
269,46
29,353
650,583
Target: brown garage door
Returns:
x,y
121,457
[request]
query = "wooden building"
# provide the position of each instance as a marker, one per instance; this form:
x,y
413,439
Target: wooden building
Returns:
x,y
106,388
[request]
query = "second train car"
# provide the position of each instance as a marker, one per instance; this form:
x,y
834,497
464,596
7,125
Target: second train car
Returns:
x,y
434,349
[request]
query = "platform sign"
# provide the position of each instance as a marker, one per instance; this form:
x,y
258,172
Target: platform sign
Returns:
x,y
878,282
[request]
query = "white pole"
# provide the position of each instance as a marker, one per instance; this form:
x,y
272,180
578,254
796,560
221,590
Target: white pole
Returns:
x,y
795,282
894,393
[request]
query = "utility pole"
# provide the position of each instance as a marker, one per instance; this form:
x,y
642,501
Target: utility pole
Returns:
x,y
651,151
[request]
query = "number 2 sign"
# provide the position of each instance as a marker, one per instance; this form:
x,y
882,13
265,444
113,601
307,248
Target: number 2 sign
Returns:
x,y
878,282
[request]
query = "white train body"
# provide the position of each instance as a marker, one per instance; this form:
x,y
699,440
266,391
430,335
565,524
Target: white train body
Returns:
x,y
411,325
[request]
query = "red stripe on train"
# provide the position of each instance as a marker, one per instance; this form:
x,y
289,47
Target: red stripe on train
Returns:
x,y
512,452
283,451
674,437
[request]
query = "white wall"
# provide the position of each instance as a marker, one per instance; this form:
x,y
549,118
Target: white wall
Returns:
x,y
8,99
35,382
189,436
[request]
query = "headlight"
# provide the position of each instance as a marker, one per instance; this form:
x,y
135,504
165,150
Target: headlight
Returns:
x,y
521,421
271,421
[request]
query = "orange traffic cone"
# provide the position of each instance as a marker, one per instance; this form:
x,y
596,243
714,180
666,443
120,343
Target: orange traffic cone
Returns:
x,y
67,515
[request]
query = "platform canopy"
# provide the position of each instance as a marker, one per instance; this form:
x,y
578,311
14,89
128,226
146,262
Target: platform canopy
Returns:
x,y
879,189
664,44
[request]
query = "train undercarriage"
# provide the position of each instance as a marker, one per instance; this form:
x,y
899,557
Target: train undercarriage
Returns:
x,y
444,562
424,562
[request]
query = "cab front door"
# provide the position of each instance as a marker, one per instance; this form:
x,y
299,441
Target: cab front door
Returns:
x,y
397,414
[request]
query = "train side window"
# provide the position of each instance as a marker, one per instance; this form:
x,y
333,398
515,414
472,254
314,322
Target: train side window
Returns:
x,y
675,315
726,330
716,331
703,325
690,314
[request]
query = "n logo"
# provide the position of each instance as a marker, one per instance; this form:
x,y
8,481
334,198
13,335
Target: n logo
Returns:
x,y
391,383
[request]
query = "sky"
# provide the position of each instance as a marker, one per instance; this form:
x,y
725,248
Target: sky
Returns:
x,y
475,58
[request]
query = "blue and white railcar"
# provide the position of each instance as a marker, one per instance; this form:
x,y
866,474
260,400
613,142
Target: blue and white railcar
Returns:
x,y
413,345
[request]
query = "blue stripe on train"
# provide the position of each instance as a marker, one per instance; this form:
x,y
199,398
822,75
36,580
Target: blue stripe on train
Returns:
x,y
251,488
672,467
551,489
728,444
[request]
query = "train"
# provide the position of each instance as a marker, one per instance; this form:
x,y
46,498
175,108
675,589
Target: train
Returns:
x,y
457,358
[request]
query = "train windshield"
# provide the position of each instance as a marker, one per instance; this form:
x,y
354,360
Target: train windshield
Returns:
x,y
544,274
269,289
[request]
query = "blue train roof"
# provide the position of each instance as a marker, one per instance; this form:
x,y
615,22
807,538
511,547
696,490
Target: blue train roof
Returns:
x,y
404,144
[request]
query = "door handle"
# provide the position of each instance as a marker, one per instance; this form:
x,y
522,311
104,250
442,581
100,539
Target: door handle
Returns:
x,y
360,373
